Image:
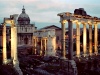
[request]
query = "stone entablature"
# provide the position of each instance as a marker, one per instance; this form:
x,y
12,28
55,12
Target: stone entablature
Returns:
x,y
80,18
73,17
44,33
46,41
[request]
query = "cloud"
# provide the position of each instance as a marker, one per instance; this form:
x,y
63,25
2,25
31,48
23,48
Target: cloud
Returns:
x,y
46,10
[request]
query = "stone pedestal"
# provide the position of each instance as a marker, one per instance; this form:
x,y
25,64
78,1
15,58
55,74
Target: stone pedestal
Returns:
x,y
73,68
17,68
50,47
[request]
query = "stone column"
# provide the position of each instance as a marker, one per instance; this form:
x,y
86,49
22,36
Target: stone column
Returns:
x,y
4,45
95,39
35,45
15,60
63,39
45,45
90,39
84,40
54,45
77,39
12,42
41,47
70,33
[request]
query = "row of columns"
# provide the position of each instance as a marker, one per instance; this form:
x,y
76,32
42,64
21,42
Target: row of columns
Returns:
x,y
35,41
70,29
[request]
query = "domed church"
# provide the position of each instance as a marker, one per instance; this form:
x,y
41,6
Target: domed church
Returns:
x,y
25,29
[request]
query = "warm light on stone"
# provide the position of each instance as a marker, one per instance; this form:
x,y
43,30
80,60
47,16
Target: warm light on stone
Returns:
x,y
84,40
78,39
63,38
90,39
14,57
4,45
95,39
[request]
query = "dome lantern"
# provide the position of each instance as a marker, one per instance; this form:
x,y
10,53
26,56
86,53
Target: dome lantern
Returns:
x,y
23,18
23,10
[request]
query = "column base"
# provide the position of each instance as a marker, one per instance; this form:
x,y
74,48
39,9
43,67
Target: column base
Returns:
x,y
16,66
96,53
5,62
74,68
78,56
90,54
40,52
63,58
15,62
85,55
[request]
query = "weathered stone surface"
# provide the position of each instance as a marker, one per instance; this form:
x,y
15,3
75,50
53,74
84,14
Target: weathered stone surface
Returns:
x,y
80,11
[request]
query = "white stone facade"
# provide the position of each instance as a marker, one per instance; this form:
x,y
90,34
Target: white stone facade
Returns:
x,y
49,35
25,34
24,29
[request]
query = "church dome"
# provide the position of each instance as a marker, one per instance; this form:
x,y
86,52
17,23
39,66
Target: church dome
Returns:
x,y
23,18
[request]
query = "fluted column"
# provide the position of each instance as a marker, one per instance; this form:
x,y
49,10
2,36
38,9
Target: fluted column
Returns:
x,y
84,40
70,49
90,39
78,39
45,45
35,44
63,39
95,39
15,60
12,42
41,46
4,45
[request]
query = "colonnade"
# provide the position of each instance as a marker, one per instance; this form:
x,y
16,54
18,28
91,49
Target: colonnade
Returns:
x,y
43,41
44,45
70,18
85,53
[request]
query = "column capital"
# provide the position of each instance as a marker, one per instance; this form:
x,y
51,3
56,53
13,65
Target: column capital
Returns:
x,y
78,23
3,24
84,23
90,23
95,23
63,21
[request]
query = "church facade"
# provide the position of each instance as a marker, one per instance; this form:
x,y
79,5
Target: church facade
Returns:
x,y
24,29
